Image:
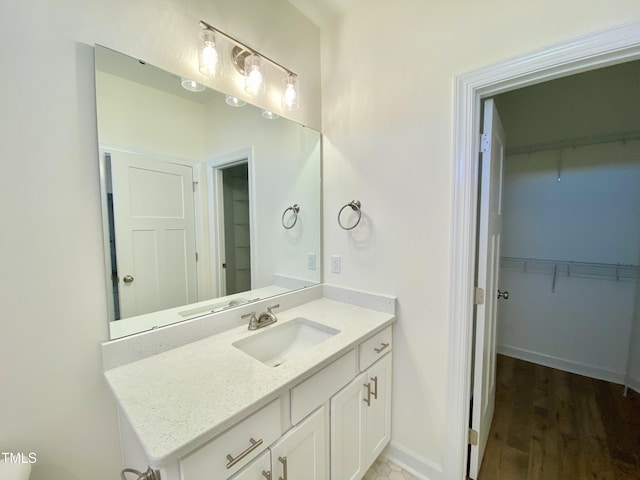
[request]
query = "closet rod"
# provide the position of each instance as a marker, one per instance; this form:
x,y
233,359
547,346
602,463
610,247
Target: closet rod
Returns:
x,y
576,142
568,268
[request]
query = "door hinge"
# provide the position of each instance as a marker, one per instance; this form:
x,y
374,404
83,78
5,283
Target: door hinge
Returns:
x,y
195,185
485,142
473,437
196,256
478,296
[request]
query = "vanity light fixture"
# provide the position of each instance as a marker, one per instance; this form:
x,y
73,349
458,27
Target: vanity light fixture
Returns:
x,y
269,115
250,64
209,59
234,101
191,85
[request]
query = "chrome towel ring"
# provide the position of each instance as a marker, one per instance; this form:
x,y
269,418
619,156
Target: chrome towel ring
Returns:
x,y
356,207
150,474
295,209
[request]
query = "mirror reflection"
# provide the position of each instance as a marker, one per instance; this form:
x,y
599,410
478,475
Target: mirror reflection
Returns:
x,y
206,204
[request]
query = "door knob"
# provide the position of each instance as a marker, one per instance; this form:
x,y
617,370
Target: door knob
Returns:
x,y
128,279
504,295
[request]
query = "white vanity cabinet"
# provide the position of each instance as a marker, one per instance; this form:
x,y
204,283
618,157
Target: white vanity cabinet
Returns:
x,y
361,412
327,419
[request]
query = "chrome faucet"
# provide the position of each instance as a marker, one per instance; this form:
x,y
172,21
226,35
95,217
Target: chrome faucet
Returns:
x,y
262,320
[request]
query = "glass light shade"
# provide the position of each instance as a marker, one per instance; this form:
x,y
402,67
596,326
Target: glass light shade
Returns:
x,y
254,82
209,60
234,101
269,115
191,85
291,94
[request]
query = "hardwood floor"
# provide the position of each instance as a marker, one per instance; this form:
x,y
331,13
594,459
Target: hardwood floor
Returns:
x,y
554,425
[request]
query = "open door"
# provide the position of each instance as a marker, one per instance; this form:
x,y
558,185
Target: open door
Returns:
x,y
488,269
154,223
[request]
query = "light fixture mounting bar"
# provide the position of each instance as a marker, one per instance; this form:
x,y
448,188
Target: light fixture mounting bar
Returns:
x,y
238,43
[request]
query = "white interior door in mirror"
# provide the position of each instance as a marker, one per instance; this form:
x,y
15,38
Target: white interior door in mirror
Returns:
x,y
154,222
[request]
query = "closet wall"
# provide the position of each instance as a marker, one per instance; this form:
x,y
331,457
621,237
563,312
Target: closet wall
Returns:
x,y
572,194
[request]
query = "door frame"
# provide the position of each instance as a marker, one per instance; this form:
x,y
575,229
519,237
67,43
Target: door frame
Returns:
x,y
107,148
216,234
616,45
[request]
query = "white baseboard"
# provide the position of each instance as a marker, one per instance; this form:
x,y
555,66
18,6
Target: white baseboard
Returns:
x,y
562,364
413,463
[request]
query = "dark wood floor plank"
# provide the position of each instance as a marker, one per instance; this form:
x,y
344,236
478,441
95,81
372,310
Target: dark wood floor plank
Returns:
x,y
554,425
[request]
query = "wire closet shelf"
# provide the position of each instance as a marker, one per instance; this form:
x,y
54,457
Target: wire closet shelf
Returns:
x,y
567,268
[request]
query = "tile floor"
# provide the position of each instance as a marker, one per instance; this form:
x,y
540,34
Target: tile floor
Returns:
x,y
385,470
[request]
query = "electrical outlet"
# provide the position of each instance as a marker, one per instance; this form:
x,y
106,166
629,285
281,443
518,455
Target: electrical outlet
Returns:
x,y
335,263
311,261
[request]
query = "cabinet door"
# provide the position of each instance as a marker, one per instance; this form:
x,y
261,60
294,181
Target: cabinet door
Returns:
x,y
347,431
378,414
301,454
259,469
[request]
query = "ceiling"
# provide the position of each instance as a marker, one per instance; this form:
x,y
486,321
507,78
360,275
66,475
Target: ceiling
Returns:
x,y
321,12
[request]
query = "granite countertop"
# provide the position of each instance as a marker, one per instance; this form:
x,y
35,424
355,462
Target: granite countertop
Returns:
x,y
177,400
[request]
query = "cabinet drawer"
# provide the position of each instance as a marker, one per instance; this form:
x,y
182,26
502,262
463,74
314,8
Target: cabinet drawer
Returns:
x,y
242,443
316,390
375,348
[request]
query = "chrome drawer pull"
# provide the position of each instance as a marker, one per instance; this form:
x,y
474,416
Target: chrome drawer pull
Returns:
x,y
368,399
375,387
283,461
266,474
252,447
382,347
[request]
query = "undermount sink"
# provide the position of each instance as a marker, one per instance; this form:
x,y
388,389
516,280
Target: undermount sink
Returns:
x,y
277,344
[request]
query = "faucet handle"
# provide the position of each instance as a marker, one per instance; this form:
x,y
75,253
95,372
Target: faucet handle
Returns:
x,y
272,307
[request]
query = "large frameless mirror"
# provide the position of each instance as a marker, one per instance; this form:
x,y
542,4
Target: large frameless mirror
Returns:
x,y
206,205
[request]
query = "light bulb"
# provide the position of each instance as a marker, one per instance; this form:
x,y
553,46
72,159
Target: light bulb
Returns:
x,y
290,97
254,83
209,59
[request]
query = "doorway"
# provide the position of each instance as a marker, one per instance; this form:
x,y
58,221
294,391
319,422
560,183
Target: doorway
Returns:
x,y
593,51
235,223
232,232
569,250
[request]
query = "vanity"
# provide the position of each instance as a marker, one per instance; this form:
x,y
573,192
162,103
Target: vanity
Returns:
x,y
308,397
199,395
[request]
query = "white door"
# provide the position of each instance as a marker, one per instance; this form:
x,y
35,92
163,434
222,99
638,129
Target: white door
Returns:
x,y
302,452
489,236
155,233
348,445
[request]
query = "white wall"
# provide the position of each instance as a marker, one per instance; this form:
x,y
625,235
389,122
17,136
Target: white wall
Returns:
x,y
591,215
287,171
53,397
144,119
388,74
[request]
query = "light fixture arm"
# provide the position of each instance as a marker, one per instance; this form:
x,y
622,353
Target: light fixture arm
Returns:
x,y
238,43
